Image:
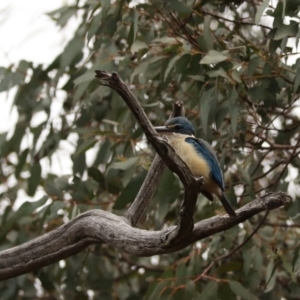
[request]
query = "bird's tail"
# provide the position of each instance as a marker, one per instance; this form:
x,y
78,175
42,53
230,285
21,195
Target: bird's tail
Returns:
x,y
227,205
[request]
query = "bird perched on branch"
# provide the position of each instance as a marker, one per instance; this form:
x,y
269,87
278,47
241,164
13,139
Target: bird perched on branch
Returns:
x,y
199,157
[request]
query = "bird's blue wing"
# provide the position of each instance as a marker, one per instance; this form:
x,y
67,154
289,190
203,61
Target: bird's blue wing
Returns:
x,y
205,150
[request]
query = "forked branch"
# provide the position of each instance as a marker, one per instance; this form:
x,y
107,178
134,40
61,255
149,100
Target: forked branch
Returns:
x,y
97,226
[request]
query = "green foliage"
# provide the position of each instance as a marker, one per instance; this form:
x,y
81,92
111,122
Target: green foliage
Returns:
x,y
239,81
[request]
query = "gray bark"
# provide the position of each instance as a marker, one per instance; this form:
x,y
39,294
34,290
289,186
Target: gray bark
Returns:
x,y
97,226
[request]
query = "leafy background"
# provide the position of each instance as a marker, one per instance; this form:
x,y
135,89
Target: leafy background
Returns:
x,y
234,65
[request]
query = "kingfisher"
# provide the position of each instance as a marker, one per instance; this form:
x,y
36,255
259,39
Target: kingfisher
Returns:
x,y
199,157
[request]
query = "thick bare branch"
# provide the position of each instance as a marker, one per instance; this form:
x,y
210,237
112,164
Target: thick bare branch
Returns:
x,y
97,226
165,151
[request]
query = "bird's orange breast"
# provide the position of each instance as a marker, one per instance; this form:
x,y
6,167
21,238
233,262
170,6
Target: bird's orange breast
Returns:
x,y
196,163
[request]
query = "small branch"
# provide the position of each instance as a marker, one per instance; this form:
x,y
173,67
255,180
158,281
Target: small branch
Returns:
x,y
97,226
185,31
282,225
287,162
268,202
178,110
204,273
239,22
148,188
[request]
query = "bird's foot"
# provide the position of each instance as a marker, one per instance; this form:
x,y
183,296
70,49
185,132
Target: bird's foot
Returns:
x,y
200,181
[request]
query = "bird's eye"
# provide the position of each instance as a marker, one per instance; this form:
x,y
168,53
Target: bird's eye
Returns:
x,y
177,126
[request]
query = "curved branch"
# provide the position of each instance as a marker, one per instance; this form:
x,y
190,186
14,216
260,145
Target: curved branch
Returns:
x,y
148,188
97,226
164,150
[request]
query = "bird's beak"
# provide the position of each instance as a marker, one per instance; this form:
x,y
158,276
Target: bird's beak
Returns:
x,y
163,129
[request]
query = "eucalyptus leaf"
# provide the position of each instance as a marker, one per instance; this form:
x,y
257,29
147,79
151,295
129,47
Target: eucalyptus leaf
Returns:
x,y
260,11
35,177
239,290
209,292
213,57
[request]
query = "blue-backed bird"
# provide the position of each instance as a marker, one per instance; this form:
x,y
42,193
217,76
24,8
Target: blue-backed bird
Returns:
x,y
199,157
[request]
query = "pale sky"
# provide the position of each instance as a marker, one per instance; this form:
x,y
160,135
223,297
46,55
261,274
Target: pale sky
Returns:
x,y
27,33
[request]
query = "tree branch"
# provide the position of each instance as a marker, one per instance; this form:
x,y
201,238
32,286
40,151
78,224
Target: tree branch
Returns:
x,y
145,194
147,190
224,257
97,226
239,22
165,151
